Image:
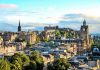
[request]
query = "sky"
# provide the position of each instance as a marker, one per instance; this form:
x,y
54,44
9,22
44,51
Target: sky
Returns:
x,y
35,14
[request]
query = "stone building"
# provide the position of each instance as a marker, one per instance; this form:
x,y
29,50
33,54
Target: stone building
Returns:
x,y
8,49
31,37
1,41
80,37
84,33
50,32
9,36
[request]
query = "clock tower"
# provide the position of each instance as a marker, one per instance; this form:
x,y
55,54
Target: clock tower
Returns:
x,y
84,32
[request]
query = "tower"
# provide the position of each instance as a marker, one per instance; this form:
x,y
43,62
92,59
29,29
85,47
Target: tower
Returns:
x,y
84,32
19,27
84,22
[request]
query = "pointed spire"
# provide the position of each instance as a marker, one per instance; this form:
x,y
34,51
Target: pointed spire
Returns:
x,y
19,26
19,22
84,22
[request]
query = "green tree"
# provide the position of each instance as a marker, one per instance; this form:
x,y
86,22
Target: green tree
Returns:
x,y
25,59
52,45
13,67
57,34
16,65
22,59
49,66
62,33
35,56
17,58
31,66
45,39
59,64
4,65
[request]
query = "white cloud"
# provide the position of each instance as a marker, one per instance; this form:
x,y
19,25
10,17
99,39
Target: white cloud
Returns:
x,y
15,19
8,6
51,16
94,28
31,17
91,12
75,21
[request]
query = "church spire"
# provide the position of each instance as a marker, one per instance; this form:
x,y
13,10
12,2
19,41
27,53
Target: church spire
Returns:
x,y
84,22
19,26
19,22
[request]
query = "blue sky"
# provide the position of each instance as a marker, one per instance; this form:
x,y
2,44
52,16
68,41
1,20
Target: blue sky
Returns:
x,y
34,13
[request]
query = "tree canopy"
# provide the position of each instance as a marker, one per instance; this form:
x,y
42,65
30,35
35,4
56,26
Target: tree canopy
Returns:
x,y
35,56
20,61
59,64
4,65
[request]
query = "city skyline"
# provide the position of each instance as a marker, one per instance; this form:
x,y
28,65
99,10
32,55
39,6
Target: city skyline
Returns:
x,y
35,14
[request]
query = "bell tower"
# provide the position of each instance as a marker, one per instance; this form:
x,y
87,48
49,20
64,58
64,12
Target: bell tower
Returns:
x,y
85,34
19,27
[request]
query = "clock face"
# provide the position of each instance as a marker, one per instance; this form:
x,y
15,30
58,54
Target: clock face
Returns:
x,y
83,29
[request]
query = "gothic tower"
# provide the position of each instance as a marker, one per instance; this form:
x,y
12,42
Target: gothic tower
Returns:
x,y
19,27
85,34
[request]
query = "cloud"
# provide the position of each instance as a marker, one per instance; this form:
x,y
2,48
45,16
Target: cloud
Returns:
x,y
8,6
94,28
37,20
75,21
27,17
